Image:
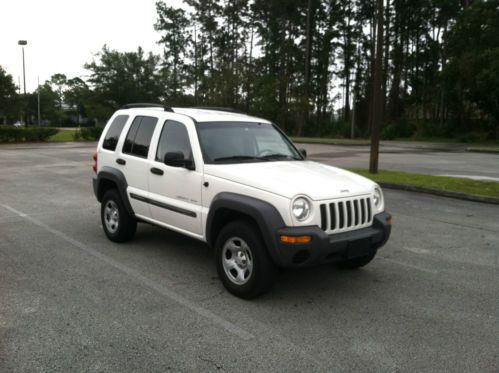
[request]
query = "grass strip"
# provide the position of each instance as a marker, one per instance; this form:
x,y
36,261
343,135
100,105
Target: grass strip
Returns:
x,y
63,136
439,183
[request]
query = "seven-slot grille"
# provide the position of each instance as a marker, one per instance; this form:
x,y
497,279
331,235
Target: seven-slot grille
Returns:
x,y
346,215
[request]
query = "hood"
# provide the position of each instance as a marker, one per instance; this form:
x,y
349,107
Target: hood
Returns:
x,y
290,178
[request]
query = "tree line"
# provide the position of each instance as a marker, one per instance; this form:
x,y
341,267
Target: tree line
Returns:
x,y
309,65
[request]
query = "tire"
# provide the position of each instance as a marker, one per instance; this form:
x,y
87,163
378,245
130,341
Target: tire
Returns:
x,y
243,263
117,223
357,262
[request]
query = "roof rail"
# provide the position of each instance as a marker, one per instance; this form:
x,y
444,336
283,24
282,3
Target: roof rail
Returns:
x,y
146,105
228,109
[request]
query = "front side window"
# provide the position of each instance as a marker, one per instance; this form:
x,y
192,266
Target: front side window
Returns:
x,y
114,132
139,136
174,139
235,142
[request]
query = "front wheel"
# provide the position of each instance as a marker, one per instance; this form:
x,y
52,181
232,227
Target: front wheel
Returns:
x,y
357,262
242,261
118,224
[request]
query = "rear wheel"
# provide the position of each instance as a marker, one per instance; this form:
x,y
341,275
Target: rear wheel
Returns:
x,y
118,224
242,261
357,262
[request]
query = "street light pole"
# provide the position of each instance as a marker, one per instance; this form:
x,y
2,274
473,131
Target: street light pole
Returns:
x,y
22,43
39,117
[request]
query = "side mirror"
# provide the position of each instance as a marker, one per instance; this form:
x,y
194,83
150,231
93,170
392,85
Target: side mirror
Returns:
x,y
303,152
176,159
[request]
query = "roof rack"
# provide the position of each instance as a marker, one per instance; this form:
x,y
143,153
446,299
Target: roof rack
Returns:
x,y
230,110
146,105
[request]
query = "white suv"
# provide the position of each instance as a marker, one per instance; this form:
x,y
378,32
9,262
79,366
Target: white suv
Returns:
x,y
239,184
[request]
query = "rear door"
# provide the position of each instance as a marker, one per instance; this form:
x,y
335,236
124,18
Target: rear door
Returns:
x,y
175,192
133,161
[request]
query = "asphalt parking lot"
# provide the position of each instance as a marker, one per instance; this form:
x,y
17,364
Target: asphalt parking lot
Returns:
x,y
70,300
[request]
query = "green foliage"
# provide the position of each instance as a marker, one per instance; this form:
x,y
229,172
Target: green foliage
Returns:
x,y
121,78
8,97
173,23
472,75
77,135
18,134
50,105
91,133
394,130
87,133
331,129
440,67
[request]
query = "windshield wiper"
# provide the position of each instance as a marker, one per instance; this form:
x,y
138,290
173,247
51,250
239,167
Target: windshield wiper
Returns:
x,y
278,156
239,158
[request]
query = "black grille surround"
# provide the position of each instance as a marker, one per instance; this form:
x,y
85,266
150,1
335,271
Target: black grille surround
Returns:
x,y
346,214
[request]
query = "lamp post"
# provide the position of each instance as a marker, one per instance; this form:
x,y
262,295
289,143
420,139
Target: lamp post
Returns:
x,y
22,43
38,94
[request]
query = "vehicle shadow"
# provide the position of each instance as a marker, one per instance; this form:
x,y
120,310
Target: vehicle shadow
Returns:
x,y
311,283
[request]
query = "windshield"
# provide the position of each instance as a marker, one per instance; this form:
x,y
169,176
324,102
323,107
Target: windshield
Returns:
x,y
237,142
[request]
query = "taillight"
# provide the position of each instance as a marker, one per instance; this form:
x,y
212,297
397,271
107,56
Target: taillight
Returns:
x,y
94,164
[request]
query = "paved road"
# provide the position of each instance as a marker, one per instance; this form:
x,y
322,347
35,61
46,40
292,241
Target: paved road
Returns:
x,y
70,300
423,158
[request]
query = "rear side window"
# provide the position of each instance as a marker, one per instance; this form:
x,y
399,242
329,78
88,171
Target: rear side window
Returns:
x,y
114,132
138,139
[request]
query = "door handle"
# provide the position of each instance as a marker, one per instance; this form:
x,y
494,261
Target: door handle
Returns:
x,y
157,171
121,161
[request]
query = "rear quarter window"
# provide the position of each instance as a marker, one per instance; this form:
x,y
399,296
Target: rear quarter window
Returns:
x,y
114,132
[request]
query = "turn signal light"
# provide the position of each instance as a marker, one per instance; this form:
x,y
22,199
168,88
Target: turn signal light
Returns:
x,y
296,239
389,221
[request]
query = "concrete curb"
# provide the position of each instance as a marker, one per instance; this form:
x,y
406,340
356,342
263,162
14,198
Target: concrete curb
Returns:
x,y
326,143
47,145
482,150
441,193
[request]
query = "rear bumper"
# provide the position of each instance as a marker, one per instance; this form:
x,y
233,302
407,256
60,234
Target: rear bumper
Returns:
x,y
94,185
331,248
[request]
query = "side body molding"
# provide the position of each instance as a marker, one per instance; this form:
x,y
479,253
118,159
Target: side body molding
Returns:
x,y
110,174
265,215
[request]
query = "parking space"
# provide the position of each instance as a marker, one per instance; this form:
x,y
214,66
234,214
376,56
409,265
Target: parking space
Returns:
x,y
72,300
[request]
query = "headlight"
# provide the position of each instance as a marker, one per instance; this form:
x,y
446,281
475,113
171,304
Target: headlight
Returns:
x,y
378,198
301,208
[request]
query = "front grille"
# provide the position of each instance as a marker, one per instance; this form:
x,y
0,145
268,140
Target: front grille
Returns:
x,y
346,214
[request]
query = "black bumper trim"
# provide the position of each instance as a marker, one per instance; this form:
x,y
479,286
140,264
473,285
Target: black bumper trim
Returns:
x,y
330,248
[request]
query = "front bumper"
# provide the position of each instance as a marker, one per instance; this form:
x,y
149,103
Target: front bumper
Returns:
x,y
331,248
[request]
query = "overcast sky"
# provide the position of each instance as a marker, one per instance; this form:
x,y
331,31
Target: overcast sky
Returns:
x,y
64,34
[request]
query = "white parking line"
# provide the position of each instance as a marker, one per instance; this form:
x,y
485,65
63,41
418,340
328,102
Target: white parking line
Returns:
x,y
163,290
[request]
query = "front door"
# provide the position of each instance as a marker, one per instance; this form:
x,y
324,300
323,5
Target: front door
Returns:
x,y
175,192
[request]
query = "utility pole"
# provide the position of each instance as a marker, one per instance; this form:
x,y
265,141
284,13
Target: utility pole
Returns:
x,y
22,43
19,93
377,102
39,117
